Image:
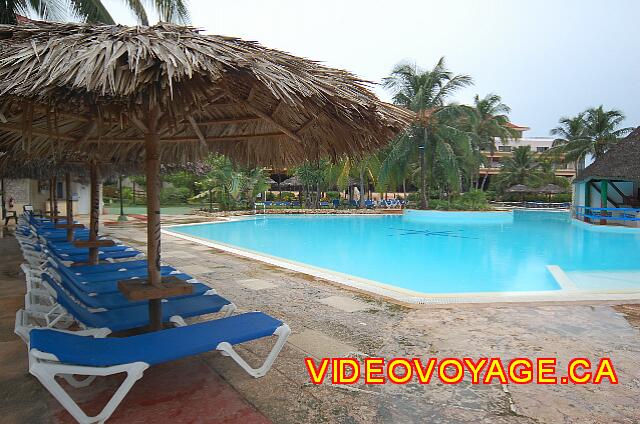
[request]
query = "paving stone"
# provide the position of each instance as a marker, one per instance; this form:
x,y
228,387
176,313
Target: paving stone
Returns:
x,y
347,304
319,344
256,284
195,269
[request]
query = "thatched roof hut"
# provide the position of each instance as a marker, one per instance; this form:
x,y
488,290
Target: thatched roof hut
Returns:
x,y
292,182
88,88
551,189
620,162
520,188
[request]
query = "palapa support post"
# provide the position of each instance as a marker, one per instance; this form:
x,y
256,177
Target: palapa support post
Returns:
x,y
51,212
54,195
94,218
152,161
67,189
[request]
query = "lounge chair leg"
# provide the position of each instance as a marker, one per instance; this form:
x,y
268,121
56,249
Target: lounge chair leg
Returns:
x,y
46,372
282,332
226,311
74,382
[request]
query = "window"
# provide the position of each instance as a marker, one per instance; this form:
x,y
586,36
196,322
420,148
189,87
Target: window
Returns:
x,y
504,148
541,149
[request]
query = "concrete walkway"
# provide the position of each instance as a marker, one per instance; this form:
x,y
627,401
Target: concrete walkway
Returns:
x,y
329,320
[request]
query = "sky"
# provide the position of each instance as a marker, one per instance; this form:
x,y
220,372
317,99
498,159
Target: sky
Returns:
x,y
547,59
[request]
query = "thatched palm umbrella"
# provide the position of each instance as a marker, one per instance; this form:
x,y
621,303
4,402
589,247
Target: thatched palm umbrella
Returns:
x,y
63,166
292,182
550,189
522,189
173,94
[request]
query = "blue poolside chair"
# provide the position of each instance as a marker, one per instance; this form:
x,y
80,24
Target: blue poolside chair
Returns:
x,y
324,204
295,204
369,204
91,289
55,353
67,309
93,269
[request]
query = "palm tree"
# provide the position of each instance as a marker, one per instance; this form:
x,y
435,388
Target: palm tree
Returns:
x,y
93,11
222,180
520,168
365,171
254,183
571,137
602,129
434,137
488,122
591,132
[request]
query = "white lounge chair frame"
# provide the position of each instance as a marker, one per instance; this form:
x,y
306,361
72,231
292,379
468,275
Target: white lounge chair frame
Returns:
x,y
45,367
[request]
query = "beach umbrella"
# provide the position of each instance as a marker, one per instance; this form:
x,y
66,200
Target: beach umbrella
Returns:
x,y
520,188
550,189
172,94
292,182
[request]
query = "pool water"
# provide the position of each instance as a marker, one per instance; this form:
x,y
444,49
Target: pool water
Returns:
x,y
435,253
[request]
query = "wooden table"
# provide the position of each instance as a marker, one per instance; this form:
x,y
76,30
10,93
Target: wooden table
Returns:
x,y
139,289
67,226
94,243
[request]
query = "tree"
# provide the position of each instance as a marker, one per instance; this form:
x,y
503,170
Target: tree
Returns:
x,y
311,175
488,121
222,180
591,132
571,138
520,168
434,138
365,171
254,183
92,11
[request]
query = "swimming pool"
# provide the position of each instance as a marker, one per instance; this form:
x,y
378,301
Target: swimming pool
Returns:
x,y
435,252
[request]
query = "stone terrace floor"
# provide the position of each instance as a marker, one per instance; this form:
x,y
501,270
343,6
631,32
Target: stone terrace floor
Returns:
x,y
329,320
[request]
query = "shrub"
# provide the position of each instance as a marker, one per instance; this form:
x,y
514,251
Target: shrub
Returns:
x,y
287,196
270,196
174,195
333,195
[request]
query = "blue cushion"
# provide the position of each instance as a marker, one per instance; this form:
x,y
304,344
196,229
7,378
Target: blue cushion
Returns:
x,y
84,257
153,348
138,315
90,269
114,299
112,275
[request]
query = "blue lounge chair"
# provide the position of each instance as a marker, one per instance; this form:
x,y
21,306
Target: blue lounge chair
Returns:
x,y
66,309
119,266
55,353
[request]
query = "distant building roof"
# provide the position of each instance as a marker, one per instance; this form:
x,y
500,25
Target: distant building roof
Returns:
x,y
516,127
621,162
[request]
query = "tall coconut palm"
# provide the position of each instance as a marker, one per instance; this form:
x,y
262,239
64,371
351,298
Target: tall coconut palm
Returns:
x,y
571,137
93,11
520,168
434,137
488,122
591,132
